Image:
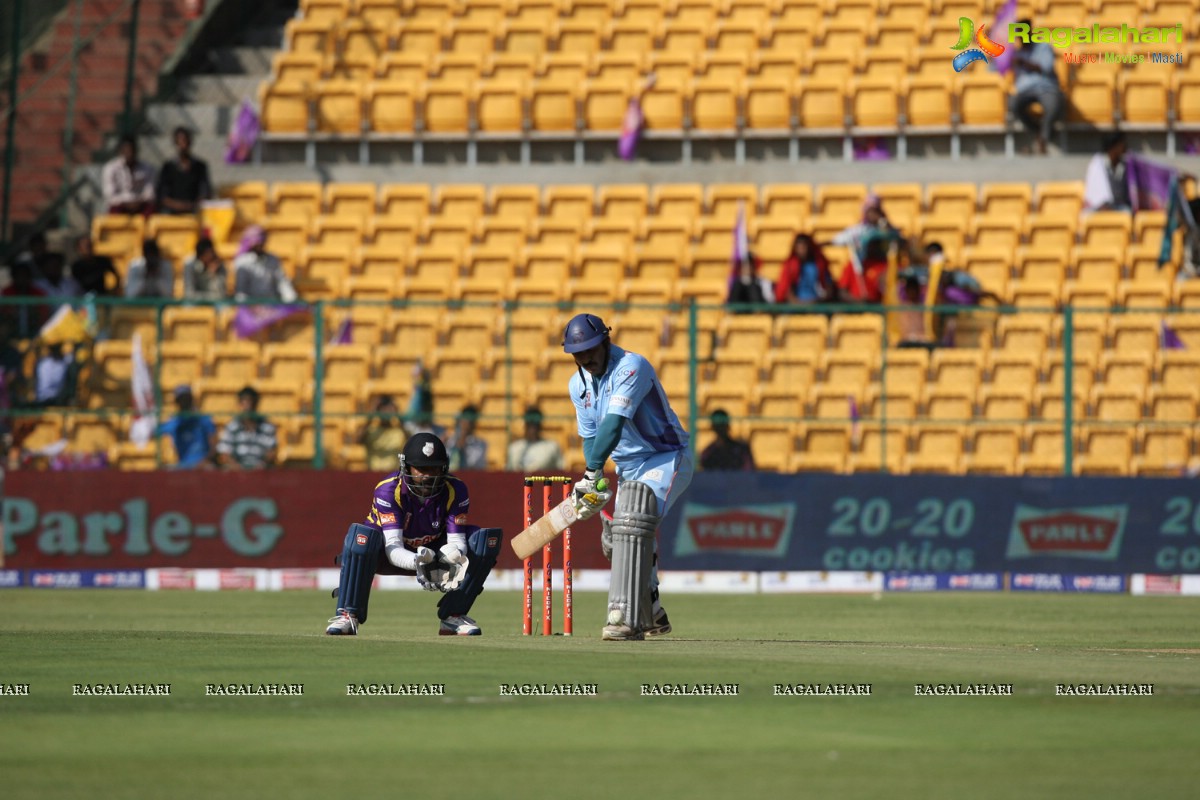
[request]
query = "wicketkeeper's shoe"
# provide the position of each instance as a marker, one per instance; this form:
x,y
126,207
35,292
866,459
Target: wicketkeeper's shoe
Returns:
x,y
344,624
661,626
459,626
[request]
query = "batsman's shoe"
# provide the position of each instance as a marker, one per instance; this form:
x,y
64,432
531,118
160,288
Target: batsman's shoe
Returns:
x,y
621,633
661,626
344,624
459,626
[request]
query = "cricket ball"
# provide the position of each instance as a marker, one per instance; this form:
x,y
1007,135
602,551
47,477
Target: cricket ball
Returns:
x,y
615,617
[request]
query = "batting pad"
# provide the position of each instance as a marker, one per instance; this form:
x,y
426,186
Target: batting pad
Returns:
x,y
359,556
483,548
635,520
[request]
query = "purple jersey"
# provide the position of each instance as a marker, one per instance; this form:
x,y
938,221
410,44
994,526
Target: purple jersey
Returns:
x,y
419,521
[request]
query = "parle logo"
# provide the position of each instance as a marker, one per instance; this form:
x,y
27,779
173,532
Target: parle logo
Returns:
x,y
967,32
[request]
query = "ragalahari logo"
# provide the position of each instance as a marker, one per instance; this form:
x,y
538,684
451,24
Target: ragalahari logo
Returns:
x,y
967,32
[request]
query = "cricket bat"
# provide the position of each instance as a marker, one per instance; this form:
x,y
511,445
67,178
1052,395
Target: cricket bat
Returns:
x,y
546,529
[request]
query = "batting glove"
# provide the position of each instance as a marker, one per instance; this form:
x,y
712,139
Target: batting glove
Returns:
x,y
588,484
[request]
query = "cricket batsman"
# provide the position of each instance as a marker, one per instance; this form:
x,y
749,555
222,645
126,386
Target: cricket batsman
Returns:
x,y
623,413
418,525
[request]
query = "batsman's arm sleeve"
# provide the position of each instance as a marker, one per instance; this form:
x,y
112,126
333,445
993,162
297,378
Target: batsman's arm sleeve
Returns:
x,y
605,441
397,553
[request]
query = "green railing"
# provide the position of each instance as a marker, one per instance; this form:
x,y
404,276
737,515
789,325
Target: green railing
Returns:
x,y
798,378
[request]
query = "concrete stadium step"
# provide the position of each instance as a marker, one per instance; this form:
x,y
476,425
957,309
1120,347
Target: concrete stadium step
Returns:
x,y
217,89
203,119
247,60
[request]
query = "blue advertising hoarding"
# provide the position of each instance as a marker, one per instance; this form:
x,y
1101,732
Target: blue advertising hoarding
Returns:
x,y
933,524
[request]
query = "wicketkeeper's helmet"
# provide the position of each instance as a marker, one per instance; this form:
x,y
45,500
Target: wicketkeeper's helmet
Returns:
x,y
426,452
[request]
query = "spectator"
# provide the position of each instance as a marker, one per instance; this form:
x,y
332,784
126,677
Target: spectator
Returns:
x,y
532,453
383,436
55,377
27,318
865,285
874,223
36,253
55,281
194,435
1036,82
1106,185
805,276
152,275
183,181
128,184
258,274
747,286
248,441
419,417
91,271
725,454
13,380
204,274
467,451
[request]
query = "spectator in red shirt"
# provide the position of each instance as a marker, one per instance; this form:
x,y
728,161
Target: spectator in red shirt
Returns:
x,y
805,276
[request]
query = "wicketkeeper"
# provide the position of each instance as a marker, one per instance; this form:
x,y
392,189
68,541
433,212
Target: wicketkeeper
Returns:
x,y
623,413
418,526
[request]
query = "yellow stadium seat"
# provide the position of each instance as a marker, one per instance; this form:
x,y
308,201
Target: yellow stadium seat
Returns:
x,y
833,64
355,67
1165,452
500,106
385,260
890,404
677,200
431,9
589,12
1107,229
1143,99
513,201
936,449
949,402
603,264
303,69
1012,200
821,104
995,449
296,199
1106,451
327,264
470,38
535,10
233,361
309,36
823,448
1117,403
951,368
370,289
447,106
510,65
913,12
723,65
609,231
846,371
982,101
714,105
904,369
357,37
1044,450
875,103
881,448
683,36
286,362
929,107
1090,99
1006,403
857,333
627,36
771,445
624,66
722,200
791,200
731,398
1059,199
189,323
624,202
605,101
952,199
1186,89
1023,333
340,231
549,261
1135,334
790,370
702,11
886,62
778,403
553,106
464,201
519,36
409,201
1118,369
569,65
419,38
891,34
1171,404
465,67
284,108
411,68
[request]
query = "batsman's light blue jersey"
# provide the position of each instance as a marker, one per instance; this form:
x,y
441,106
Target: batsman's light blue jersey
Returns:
x,y
628,388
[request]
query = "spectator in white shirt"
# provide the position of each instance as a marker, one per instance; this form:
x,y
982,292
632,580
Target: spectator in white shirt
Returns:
x,y
128,184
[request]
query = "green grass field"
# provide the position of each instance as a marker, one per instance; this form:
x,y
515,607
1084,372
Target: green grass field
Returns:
x,y
475,744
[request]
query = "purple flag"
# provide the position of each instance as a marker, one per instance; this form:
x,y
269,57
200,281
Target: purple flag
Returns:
x,y
249,320
244,134
741,247
855,427
1168,338
999,33
1150,184
631,129
344,333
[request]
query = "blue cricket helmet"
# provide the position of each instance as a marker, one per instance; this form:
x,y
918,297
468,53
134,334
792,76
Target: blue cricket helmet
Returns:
x,y
584,332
